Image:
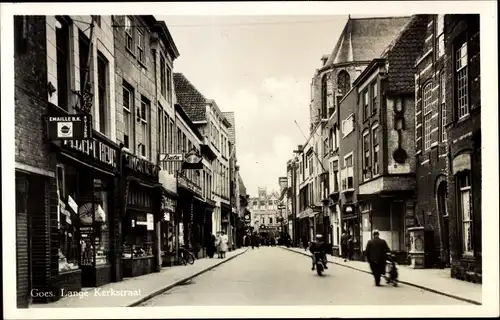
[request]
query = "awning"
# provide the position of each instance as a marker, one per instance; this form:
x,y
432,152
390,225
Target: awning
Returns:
x,y
146,184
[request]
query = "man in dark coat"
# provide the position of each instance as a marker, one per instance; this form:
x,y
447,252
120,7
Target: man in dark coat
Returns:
x,y
376,253
343,244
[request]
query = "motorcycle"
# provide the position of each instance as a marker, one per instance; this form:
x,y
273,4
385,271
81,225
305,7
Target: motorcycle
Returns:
x,y
320,266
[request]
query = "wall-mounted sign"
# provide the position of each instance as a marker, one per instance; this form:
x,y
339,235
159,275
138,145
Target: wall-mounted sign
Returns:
x,y
97,149
171,157
193,160
140,165
78,126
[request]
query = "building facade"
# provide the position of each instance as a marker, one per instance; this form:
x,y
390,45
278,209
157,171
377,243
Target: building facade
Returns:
x,y
265,212
386,156
463,124
213,126
360,41
67,191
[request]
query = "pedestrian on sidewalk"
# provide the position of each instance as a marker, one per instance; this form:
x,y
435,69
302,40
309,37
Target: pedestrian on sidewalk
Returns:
x,y
304,243
343,245
211,246
218,242
376,253
224,244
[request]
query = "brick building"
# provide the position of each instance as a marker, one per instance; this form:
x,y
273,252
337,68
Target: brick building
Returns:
x,y
463,123
431,144
79,193
361,40
35,168
385,161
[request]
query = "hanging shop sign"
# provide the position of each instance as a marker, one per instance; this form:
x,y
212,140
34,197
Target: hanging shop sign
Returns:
x,y
97,149
170,157
168,204
193,160
77,126
140,165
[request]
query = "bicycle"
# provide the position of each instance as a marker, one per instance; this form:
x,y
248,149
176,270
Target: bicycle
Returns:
x,y
185,256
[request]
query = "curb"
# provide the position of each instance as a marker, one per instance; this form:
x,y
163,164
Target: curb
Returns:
x,y
404,282
181,281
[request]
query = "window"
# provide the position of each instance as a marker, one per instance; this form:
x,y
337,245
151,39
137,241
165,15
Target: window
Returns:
x,y
464,185
366,104
145,131
85,64
97,20
335,170
270,220
442,79
374,97
440,35
129,38
330,141
427,97
310,164
348,162
102,81
270,202
128,107
336,136
348,125
169,84
63,63
159,131
163,80
171,143
366,152
376,150
324,97
461,80
343,83
141,46
262,204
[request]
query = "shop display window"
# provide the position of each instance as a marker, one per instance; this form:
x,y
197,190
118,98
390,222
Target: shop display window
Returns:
x,y
66,216
82,218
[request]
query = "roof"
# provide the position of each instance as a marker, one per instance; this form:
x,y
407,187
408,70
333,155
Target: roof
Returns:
x,y
364,39
402,53
243,189
192,101
179,110
230,119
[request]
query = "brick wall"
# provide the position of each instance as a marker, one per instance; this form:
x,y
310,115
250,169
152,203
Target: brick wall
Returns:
x,y
30,93
464,135
431,163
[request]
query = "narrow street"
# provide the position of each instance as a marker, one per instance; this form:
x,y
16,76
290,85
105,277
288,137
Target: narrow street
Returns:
x,y
273,276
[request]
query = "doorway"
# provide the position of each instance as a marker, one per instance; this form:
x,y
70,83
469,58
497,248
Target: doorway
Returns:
x,y
444,223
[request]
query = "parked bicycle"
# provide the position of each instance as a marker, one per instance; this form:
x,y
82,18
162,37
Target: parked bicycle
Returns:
x,y
185,256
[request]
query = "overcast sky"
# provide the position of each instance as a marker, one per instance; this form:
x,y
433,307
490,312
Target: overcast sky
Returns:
x,y
261,68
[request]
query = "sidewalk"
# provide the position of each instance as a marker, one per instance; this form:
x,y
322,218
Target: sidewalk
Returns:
x,y
434,280
135,291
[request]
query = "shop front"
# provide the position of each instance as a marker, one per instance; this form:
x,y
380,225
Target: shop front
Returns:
x,y
392,215
86,180
142,198
351,224
190,214
167,218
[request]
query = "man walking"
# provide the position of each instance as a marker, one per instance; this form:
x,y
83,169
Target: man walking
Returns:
x,y
376,253
343,245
